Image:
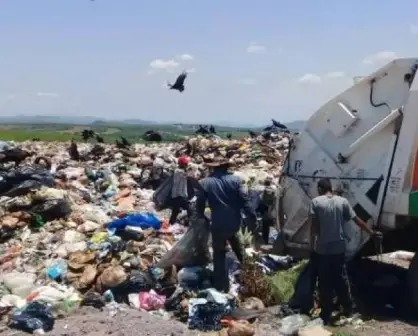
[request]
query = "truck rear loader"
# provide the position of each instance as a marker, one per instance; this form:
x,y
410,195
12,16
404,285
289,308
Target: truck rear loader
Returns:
x,y
366,141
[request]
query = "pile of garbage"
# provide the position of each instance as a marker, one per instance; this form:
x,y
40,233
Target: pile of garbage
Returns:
x,y
87,233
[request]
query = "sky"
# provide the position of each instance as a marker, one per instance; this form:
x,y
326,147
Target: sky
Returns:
x,y
247,60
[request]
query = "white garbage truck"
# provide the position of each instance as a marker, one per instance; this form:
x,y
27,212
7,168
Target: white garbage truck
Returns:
x,y
366,141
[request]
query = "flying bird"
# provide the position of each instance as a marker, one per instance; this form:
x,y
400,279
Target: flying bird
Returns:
x,y
179,83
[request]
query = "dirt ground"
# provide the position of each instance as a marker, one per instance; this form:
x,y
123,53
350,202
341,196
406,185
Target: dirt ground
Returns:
x,y
92,322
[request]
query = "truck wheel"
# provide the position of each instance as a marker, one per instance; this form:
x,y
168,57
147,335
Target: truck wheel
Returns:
x,y
413,282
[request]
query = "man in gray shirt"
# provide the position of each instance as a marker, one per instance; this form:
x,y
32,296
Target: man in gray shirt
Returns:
x,y
329,213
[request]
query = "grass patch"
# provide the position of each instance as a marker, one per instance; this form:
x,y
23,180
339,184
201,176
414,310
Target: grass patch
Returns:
x,y
51,132
24,135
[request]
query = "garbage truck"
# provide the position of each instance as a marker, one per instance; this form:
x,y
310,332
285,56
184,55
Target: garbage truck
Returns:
x,y
365,140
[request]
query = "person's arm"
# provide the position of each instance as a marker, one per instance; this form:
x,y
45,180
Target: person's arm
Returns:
x,y
245,202
313,224
201,199
350,214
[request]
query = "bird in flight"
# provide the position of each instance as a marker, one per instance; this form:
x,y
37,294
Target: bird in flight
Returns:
x,y
179,83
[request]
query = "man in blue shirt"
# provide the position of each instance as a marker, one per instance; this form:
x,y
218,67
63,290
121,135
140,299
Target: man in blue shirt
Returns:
x,y
226,197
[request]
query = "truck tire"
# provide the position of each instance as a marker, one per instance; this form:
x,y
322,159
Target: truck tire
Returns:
x,y
412,281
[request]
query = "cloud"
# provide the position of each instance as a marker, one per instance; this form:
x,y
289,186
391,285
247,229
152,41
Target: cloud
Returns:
x,y
335,74
47,94
255,48
310,78
413,28
160,64
186,57
248,81
382,56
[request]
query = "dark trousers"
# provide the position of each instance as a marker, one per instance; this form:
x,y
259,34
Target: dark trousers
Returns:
x,y
266,222
220,272
177,204
265,229
333,278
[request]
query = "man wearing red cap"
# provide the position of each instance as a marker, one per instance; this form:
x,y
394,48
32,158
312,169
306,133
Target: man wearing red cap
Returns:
x,y
180,193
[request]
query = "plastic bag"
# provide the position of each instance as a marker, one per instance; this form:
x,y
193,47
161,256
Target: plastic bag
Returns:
x,y
138,281
54,294
162,195
33,317
290,325
93,299
52,209
142,220
57,270
20,284
19,181
191,277
191,249
151,300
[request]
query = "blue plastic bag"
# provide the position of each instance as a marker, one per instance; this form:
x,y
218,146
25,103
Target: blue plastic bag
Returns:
x,y
57,270
143,220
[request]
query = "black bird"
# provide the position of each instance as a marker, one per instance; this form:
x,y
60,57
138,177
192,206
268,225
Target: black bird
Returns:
x,y
99,139
73,151
229,136
212,129
15,155
85,134
119,144
97,151
125,142
179,83
268,129
278,124
252,134
152,136
203,130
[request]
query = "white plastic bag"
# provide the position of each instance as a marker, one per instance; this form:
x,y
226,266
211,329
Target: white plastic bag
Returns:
x,y
20,284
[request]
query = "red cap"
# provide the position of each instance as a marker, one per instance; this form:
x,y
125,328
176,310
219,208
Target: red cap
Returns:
x,y
183,160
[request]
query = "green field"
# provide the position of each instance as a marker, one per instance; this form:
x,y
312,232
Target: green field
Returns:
x,y
60,132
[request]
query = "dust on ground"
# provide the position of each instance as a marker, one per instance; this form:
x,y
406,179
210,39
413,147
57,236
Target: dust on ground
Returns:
x,y
92,322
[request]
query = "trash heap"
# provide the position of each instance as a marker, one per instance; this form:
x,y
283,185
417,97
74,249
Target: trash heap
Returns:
x,y
86,233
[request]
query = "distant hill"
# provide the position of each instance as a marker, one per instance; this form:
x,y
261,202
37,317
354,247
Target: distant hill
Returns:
x,y
39,119
297,125
88,120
